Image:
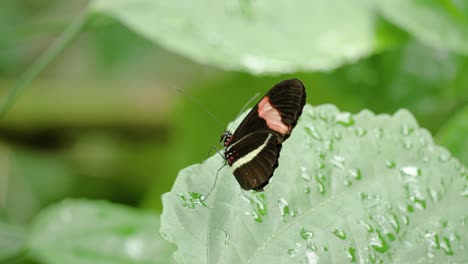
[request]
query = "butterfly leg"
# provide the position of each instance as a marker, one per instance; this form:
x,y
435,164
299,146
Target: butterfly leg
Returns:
x,y
213,147
216,179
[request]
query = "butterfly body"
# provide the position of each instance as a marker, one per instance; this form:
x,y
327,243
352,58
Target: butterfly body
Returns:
x,y
253,149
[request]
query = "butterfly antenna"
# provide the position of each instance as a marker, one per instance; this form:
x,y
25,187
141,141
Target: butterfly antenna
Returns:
x,y
214,184
246,105
200,105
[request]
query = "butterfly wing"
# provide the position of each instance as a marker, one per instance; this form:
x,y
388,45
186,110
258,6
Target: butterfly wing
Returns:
x,y
256,157
277,111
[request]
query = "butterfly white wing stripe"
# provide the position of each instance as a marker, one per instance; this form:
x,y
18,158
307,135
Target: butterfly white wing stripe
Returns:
x,y
250,155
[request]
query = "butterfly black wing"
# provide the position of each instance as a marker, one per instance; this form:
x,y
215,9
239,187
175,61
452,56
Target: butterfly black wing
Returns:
x,y
256,157
287,98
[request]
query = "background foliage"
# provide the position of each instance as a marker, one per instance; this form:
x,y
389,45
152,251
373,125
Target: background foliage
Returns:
x,y
103,120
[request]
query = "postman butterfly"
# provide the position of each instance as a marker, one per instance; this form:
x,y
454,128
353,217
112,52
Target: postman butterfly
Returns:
x,y
253,149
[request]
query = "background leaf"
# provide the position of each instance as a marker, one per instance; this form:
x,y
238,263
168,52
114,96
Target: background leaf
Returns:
x,y
79,231
349,188
256,36
439,23
12,241
454,135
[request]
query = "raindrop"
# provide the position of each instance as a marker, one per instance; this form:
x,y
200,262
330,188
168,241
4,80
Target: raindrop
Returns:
x,y
366,225
338,232
312,246
312,114
307,189
306,235
292,252
347,183
338,161
395,223
320,177
412,171
378,243
444,156
360,132
304,174
407,144
329,145
351,254
164,235
356,174
336,134
284,208
257,218
345,119
226,239
258,200
406,130
320,188
446,246
192,200
390,164
312,131
379,133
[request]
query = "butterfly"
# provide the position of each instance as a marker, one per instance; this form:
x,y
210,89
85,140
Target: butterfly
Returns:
x,y
253,149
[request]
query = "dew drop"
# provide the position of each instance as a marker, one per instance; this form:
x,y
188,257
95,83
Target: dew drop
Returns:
x,y
390,164
406,130
338,161
407,144
304,174
338,232
379,133
329,145
351,254
336,134
320,188
444,156
312,114
284,208
344,119
292,252
307,189
412,171
366,225
360,132
164,235
226,239
446,246
378,243
347,183
192,200
312,131
356,174
306,234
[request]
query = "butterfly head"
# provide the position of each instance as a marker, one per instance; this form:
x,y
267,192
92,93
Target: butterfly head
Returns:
x,y
226,137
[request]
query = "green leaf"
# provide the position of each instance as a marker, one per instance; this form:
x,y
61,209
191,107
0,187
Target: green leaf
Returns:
x,y
454,135
439,23
259,37
12,241
79,231
349,188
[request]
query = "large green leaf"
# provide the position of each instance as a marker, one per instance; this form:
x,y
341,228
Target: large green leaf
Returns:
x,y
349,188
257,36
79,231
439,23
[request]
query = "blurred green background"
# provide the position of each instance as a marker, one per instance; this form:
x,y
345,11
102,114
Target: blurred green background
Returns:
x,y
104,120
